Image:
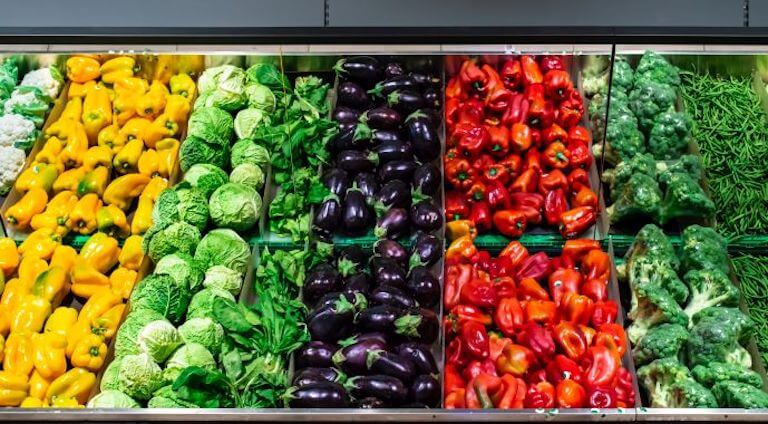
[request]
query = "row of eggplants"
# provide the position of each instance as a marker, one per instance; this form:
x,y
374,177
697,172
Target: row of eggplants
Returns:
x,y
371,328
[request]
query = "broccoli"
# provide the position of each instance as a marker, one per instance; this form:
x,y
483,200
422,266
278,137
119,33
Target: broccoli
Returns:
x,y
669,136
715,337
623,140
660,377
686,164
654,67
641,163
711,373
595,84
732,394
652,243
663,341
652,305
732,317
688,393
622,75
649,99
685,199
597,110
645,270
704,248
640,197
709,287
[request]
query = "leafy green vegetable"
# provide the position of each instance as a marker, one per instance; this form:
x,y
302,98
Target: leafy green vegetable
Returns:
x,y
289,210
189,355
201,305
205,388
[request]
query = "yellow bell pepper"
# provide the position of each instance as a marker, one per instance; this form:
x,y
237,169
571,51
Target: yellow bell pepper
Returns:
x,y
82,219
39,175
101,252
2,347
183,85
32,402
50,151
97,111
29,268
153,189
122,280
58,209
161,127
98,156
49,355
69,180
38,386
134,128
97,305
117,68
110,138
40,243
52,285
153,101
78,90
126,161
89,352
77,144
18,354
30,315
122,190
64,256
82,69
142,217
9,256
94,181
13,388
86,280
106,325
15,290
149,163
33,203
111,220
61,321
131,86
75,333
132,255
72,112
74,384
66,403
169,65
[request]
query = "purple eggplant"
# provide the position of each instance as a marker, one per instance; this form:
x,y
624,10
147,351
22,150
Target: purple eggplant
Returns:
x,y
418,324
318,395
391,249
425,81
384,88
427,179
368,184
393,69
328,214
312,375
434,116
433,98
393,224
337,181
382,118
421,356
423,286
350,137
422,133
398,150
315,354
379,318
426,215
351,260
345,115
425,389
389,295
397,170
393,194
387,388
356,217
320,280
385,363
405,101
388,272
358,300
426,250
370,403
351,359
357,283
385,136
330,323
364,69
361,337
352,95
356,161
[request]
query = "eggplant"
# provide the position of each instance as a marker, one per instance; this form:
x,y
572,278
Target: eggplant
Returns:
x,y
368,184
422,133
315,354
350,137
337,181
384,136
351,260
345,115
379,318
426,215
391,249
393,69
352,95
421,356
320,280
405,101
358,300
351,359
397,170
426,250
361,337
385,363
356,161
356,217
387,388
423,286
433,99
425,389
418,324
370,403
382,118
397,150
384,88
390,295
393,194
330,323
328,214
434,116
312,375
425,81
318,395
427,179
364,69
388,272
393,224
357,283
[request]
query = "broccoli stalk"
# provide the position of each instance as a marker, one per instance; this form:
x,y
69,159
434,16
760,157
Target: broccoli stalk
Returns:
x,y
709,288
639,198
663,341
660,377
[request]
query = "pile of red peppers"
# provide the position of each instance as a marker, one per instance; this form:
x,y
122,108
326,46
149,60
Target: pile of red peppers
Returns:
x,y
529,331
517,156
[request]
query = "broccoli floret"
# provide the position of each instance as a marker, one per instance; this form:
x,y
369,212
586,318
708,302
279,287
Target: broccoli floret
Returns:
x,y
686,164
641,163
663,341
597,110
645,270
715,337
669,135
652,243
654,67
639,198
710,374
660,377
732,394
595,84
622,75
732,317
652,305
704,248
648,99
688,393
709,287
623,140
685,199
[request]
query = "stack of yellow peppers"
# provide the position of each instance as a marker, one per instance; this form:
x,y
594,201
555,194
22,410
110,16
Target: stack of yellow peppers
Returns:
x,y
111,152
51,353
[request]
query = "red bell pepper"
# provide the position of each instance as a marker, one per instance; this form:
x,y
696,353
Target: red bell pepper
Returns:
x,y
551,62
536,376
456,399
452,105
542,311
624,389
605,312
601,364
499,140
512,164
563,368
479,390
451,154
516,253
520,135
498,196
500,267
509,222
512,74
472,139
534,92
532,160
540,395
505,285
570,339
577,248
496,343
508,316
570,110
480,214
481,260
556,156
498,97
579,135
453,379
570,394
584,197
456,206
460,250
555,204
576,221
554,133
456,277
475,368
471,111
576,308
454,90
512,393
460,174
596,264
581,157
525,202
475,339
456,353
577,179
477,192
601,397
613,336
535,266
562,262
478,292
531,71
557,84
595,289
541,114
461,314
517,112
563,281
530,289
472,76
553,180
537,337
515,359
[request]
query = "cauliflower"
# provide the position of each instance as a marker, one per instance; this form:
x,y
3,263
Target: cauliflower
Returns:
x,y
17,131
11,162
48,80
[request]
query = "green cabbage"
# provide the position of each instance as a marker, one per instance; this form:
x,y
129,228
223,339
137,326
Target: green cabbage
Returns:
x,y
183,268
165,397
211,124
194,150
247,151
223,247
248,174
260,97
125,341
206,177
164,239
110,379
189,355
204,331
236,206
182,203
112,399
221,277
201,305
161,294
140,376
158,339
247,121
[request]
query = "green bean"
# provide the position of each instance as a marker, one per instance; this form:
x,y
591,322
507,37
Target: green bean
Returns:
x,y
752,272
